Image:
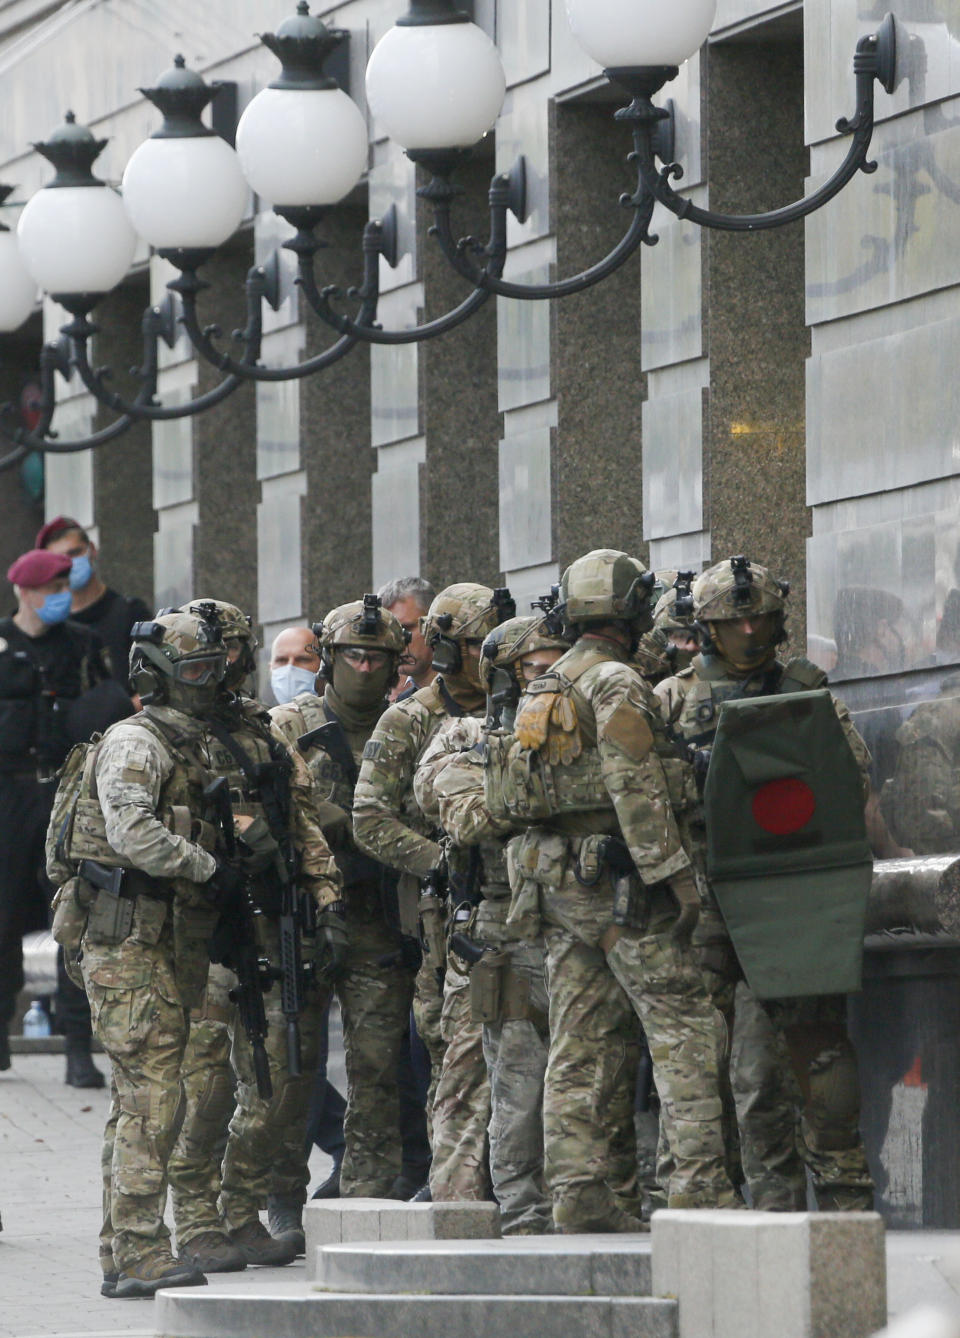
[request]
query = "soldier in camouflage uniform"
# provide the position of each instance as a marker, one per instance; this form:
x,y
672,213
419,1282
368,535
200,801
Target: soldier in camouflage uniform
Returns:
x,y
140,810
604,866
507,983
361,645
206,1071
739,608
390,826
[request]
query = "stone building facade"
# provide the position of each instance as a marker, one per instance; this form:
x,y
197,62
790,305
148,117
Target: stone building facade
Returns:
x,y
791,394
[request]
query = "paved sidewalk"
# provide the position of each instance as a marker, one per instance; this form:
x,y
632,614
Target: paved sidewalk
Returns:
x,y
50,1137
50,1203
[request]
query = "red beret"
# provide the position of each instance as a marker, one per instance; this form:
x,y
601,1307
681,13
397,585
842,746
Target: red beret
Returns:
x,y
38,567
54,529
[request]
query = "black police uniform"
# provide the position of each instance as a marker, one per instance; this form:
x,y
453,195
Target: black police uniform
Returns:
x,y
55,689
110,617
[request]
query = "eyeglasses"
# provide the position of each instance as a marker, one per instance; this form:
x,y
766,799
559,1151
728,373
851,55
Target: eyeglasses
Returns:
x,y
355,655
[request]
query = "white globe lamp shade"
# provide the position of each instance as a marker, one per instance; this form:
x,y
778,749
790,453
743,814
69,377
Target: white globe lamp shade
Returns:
x,y
18,292
74,236
302,147
183,187
76,239
622,34
185,193
435,86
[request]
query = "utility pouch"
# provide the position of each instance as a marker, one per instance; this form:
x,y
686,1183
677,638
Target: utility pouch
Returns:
x,y
515,1001
111,917
486,984
631,905
149,917
70,910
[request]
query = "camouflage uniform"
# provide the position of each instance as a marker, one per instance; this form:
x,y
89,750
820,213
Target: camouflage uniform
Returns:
x,y
588,766
449,782
390,826
812,1031
141,988
209,1096
921,800
266,1146
375,987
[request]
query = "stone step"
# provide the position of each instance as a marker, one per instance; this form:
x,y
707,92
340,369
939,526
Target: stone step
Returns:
x,y
535,1265
341,1221
206,1313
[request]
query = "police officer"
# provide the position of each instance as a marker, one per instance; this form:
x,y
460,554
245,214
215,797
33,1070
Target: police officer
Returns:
x,y
55,688
604,866
361,647
740,611
506,962
389,825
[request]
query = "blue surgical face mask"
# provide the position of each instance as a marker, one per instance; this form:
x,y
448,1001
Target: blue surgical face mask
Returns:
x,y
55,608
289,680
81,570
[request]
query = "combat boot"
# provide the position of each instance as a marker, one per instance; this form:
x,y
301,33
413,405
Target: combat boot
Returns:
x,y
285,1219
108,1286
149,1275
213,1252
259,1247
81,1070
422,1195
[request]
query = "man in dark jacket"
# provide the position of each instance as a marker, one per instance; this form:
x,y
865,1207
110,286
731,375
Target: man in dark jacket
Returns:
x,y
55,689
92,603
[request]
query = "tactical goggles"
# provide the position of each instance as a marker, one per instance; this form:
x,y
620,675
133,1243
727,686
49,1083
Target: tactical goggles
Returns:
x,y
355,656
201,669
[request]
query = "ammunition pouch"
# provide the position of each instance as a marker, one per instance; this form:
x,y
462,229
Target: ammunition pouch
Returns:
x,y
498,993
530,789
71,907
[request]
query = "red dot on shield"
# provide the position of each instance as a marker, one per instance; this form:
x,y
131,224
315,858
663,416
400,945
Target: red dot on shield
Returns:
x,y
783,806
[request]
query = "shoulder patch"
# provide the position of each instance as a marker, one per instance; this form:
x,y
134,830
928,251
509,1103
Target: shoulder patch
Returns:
x,y
372,750
629,729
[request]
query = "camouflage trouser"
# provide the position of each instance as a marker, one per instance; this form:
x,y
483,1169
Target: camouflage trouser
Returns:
x,y
767,1104
107,1263
427,1014
208,1086
515,1051
461,1104
592,994
140,1021
266,1149
810,1035
375,1005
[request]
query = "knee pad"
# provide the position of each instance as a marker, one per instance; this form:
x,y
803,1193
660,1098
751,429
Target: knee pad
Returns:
x,y
833,1111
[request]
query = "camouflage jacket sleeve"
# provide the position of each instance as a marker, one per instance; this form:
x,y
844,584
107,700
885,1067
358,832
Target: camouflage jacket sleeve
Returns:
x,y
632,772
288,723
449,784
383,799
318,868
132,766
857,746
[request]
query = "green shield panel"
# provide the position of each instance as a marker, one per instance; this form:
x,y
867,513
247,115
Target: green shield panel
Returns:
x,y
787,850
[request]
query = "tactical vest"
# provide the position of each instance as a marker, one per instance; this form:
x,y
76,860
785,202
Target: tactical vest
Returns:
x,y
708,685
180,807
551,772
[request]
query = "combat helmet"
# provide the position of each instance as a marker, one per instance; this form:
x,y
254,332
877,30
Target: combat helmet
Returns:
x,y
236,629
363,623
462,612
177,660
503,647
737,588
605,586
674,608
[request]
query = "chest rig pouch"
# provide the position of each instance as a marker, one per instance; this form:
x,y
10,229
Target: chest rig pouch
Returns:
x,y
552,767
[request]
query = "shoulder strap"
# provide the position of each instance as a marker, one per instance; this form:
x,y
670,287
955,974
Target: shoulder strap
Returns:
x,y
801,675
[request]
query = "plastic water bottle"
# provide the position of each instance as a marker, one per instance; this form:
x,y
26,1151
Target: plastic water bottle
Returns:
x,y
35,1020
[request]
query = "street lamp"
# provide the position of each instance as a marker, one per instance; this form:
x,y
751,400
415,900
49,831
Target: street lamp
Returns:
x,y
18,292
436,85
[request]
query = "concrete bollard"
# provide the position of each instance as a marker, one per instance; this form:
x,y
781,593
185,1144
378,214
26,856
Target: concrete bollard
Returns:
x,y
742,1274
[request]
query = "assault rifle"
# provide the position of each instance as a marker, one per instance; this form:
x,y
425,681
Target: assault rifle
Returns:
x,y
236,940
